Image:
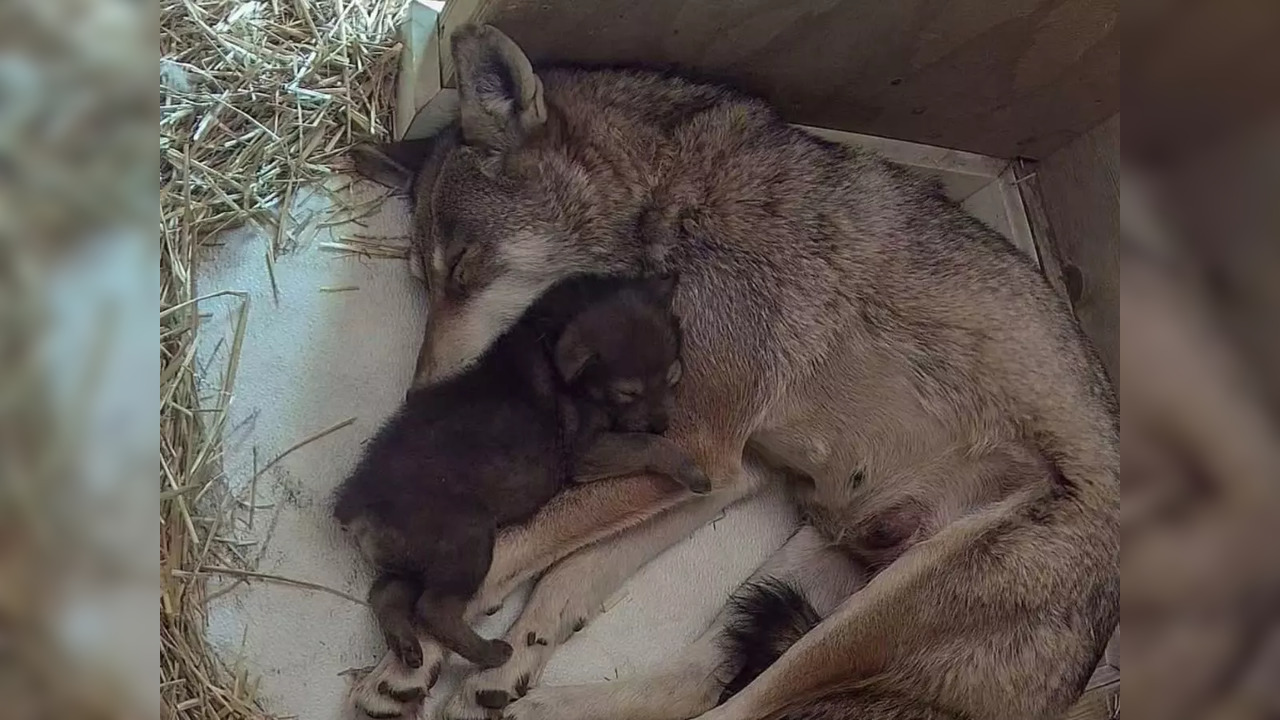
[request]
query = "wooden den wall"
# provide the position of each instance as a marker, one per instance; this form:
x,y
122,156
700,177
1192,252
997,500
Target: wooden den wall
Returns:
x,y
1005,78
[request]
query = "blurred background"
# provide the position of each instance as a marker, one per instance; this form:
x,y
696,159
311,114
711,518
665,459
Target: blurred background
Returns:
x,y
79,286
89,254
1200,360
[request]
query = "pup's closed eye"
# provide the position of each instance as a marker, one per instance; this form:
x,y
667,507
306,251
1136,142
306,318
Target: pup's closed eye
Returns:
x,y
625,392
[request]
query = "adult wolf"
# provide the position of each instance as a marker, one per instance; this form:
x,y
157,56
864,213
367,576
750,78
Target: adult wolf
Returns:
x,y
941,420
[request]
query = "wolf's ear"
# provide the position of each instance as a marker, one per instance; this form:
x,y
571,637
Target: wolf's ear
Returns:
x,y
572,355
393,164
500,97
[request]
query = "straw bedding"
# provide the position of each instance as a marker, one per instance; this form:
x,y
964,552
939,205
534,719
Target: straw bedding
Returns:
x,y
259,99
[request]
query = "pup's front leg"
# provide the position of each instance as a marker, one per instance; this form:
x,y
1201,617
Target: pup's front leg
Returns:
x,y
621,454
575,518
392,600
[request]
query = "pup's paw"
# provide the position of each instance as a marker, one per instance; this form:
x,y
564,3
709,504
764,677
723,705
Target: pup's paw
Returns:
x,y
406,647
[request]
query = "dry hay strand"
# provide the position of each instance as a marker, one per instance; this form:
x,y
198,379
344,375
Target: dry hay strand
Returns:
x,y
261,97
258,100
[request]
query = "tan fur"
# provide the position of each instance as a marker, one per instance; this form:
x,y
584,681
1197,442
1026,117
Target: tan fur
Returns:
x,y
843,319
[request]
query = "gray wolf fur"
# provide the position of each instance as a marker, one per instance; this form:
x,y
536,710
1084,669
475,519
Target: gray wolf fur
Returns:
x,y
933,404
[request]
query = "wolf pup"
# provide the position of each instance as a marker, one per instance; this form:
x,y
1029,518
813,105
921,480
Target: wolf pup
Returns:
x,y
579,389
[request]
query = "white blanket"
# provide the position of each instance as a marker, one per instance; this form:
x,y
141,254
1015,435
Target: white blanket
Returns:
x,y
315,358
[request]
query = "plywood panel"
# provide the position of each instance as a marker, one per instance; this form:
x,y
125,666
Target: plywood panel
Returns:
x,y
1099,703
1079,187
1005,79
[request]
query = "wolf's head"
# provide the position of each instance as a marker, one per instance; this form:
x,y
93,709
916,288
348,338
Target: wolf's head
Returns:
x,y
506,202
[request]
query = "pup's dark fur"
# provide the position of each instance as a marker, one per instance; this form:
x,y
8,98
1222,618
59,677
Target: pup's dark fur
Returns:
x,y
578,388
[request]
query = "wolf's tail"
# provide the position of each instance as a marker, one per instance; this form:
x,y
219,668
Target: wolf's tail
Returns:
x,y
766,616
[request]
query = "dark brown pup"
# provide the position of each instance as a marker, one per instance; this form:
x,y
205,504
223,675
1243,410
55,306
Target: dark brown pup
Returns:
x,y
579,388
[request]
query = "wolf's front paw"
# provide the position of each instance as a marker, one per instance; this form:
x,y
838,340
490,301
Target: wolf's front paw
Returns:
x,y
692,477
392,689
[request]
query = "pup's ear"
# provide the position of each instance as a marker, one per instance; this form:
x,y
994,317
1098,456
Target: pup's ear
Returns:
x,y
572,355
663,288
501,99
392,164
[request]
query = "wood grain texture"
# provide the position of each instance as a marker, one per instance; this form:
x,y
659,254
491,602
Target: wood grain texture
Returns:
x,y
1097,703
1006,79
1079,186
1041,230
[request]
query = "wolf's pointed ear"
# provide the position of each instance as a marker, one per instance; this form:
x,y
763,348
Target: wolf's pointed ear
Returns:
x,y
501,99
572,355
393,164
